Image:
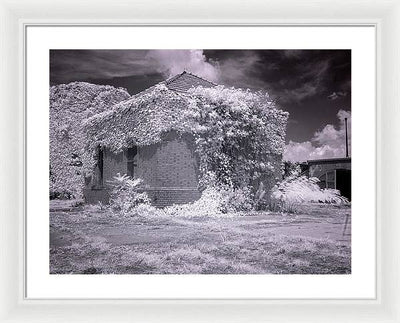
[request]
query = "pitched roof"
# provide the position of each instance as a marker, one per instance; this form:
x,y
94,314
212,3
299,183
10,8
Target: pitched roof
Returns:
x,y
180,83
184,81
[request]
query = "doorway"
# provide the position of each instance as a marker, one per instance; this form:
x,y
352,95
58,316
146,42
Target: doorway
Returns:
x,y
343,182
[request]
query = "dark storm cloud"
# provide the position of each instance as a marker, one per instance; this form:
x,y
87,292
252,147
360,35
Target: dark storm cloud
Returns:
x,y
288,75
75,65
79,65
312,85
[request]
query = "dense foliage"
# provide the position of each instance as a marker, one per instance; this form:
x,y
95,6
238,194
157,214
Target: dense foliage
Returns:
x,y
141,120
70,104
215,201
239,134
127,194
296,190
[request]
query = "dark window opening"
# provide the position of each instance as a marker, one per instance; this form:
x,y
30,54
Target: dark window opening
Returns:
x,y
339,179
100,164
343,182
131,160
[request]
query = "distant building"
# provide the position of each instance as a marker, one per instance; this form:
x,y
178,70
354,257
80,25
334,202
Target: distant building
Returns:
x,y
333,173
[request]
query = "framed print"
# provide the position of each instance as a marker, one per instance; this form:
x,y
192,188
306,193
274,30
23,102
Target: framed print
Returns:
x,y
155,168
196,178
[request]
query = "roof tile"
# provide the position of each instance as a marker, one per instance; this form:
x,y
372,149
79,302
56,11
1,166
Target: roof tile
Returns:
x,y
184,81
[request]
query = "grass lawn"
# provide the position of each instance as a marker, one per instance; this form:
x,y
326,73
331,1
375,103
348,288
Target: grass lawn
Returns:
x,y
87,240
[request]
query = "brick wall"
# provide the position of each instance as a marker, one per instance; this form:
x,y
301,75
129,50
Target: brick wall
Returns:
x,y
169,169
160,197
171,163
167,197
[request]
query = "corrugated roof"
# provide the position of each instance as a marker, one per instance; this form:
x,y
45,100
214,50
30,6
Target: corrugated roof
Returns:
x,y
330,160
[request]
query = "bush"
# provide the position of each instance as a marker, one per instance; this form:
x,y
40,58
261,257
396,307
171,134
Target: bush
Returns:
x,y
215,201
147,210
236,199
207,205
126,195
128,199
290,193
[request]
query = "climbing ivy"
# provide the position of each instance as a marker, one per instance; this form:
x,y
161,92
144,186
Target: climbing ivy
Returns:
x,y
70,104
239,134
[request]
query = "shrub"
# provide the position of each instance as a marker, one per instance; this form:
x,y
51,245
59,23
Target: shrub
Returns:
x,y
230,198
293,191
147,210
128,199
208,205
236,199
217,200
126,195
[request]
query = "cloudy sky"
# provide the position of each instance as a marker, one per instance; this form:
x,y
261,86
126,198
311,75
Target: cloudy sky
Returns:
x,y
314,86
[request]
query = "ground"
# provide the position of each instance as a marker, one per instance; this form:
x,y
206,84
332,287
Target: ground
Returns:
x,y
88,240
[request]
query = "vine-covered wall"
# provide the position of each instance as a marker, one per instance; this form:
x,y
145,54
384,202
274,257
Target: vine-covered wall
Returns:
x,y
238,136
169,170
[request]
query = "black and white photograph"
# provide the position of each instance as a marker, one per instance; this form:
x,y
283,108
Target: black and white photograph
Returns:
x,y
200,161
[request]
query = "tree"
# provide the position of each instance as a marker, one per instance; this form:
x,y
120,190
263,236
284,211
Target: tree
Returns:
x,y
70,104
240,135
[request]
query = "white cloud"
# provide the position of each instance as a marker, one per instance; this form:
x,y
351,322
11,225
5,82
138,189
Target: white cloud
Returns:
x,y
298,151
172,62
337,95
327,143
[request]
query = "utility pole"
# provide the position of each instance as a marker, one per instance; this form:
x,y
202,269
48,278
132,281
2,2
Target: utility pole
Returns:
x,y
347,144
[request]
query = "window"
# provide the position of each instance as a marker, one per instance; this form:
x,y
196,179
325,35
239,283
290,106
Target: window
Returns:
x,y
322,181
131,160
328,180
